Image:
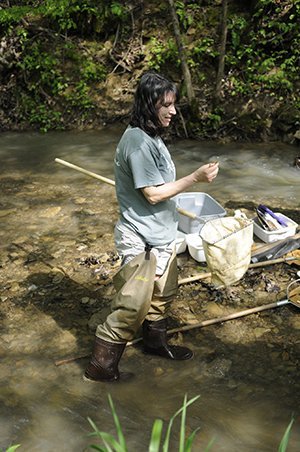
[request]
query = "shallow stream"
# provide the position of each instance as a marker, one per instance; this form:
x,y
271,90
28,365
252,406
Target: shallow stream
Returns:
x,y
51,217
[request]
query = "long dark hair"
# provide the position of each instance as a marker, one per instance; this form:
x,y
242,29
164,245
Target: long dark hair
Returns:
x,y
151,89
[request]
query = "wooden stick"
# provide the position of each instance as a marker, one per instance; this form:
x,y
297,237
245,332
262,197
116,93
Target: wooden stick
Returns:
x,y
179,209
190,214
84,171
274,261
111,182
194,278
225,318
202,324
255,265
60,362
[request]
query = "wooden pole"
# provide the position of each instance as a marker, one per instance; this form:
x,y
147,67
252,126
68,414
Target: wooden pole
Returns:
x,y
111,182
183,212
84,171
255,265
225,318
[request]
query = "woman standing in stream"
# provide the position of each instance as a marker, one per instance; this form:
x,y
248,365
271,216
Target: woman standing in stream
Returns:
x,y
145,234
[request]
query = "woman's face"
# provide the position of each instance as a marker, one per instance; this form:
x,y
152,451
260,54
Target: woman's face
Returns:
x,y
166,109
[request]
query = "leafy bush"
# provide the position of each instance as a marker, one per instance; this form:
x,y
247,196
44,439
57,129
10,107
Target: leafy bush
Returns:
x,y
264,49
161,52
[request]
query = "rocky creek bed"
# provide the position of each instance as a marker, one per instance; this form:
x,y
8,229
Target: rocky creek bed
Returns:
x,y
57,263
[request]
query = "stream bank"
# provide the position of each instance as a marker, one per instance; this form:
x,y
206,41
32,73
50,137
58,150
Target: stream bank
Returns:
x,y
76,68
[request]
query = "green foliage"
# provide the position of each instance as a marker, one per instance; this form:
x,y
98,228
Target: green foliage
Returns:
x,y
214,120
119,445
85,15
11,448
187,13
118,10
42,69
79,16
285,439
38,113
185,19
263,50
161,52
237,26
78,96
53,50
13,15
201,51
111,444
53,81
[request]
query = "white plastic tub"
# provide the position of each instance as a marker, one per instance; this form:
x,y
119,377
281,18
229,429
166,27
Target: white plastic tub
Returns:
x,y
180,242
278,234
195,247
201,204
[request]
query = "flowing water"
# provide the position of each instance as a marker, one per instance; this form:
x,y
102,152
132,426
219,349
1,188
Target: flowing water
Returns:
x,y
243,404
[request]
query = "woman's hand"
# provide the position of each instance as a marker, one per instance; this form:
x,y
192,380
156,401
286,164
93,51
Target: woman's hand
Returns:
x,y
207,172
155,194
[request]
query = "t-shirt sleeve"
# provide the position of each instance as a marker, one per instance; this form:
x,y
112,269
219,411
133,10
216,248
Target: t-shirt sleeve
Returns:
x,y
144,170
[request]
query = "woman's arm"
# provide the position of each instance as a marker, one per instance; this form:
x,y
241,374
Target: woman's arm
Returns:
x,y
155,194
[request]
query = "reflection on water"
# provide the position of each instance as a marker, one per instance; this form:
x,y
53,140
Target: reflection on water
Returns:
x,y
242,404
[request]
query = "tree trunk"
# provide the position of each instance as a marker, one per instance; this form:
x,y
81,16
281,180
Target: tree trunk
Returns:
x,y
220,74
182,55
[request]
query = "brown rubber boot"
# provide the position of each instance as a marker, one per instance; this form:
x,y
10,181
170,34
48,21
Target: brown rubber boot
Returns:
x,y
103,365
155,342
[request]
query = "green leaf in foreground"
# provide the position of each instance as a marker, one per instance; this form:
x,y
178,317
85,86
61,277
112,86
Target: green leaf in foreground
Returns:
x,y
156,436
285,439
185,444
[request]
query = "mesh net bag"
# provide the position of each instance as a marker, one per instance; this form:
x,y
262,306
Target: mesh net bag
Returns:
x,y
227,246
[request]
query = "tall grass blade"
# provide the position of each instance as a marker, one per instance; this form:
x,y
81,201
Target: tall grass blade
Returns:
x,y
156,436
285,439
118,425
190,440
167,439
111,444
182,426
109,440
95,428
98,448
185,445
208,447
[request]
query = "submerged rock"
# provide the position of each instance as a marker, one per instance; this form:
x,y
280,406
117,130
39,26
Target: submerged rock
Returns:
x,y
50,212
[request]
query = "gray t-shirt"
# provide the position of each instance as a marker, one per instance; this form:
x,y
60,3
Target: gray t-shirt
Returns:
x,y
142,161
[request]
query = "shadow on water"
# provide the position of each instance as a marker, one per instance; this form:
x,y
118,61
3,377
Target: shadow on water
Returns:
x,y
51,218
